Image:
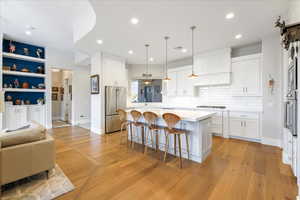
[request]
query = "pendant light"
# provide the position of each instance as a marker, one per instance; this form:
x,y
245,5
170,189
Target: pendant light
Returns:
x,y
147,75
193,75
166,65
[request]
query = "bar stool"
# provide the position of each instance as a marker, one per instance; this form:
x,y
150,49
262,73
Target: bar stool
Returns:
x,y
124,123
151,118
136,115
171,120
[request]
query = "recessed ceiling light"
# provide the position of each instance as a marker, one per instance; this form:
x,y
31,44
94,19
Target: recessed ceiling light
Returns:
x,y
183,50
28,32
238,36
230,15
130,52
100,41
134,20
151,59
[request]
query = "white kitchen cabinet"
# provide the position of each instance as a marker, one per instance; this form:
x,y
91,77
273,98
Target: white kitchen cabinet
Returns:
x,y
245,125
180,84
172,84
246,76
15,117
36,113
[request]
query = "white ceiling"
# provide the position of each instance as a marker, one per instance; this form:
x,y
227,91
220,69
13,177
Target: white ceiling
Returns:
x,y
52,20
254,20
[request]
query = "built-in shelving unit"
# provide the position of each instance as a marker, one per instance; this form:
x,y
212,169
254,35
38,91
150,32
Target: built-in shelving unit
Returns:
x,y
21,57
24,82
23,90
16,73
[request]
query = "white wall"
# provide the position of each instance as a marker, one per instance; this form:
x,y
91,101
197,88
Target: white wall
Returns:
x,y
56,105
272,105
293,12
81,96
112,72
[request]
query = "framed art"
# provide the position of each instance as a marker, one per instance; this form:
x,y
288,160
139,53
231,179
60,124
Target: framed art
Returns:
x,y
54,89
95,84
54,96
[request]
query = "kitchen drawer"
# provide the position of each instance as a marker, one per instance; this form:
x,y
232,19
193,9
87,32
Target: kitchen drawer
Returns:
x,y
244,115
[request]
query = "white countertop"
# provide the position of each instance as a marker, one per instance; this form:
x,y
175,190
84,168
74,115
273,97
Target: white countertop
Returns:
x,y
186,115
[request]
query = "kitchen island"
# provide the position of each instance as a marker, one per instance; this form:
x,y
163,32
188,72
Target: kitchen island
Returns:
x,y
195,122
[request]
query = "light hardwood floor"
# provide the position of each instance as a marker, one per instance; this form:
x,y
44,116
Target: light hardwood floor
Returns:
x,y
235,170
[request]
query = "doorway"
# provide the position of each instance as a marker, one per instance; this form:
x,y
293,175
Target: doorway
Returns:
x,y
61,95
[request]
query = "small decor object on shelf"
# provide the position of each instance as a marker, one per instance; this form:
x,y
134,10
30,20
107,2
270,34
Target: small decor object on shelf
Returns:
x,y
26,51
54,97
40,101
10,86
62,91
8,98
39,53
16,83
40,70
54,89
95,84
14,67
5,85
11,47
41,86
6,68
33,87
25,70
25,85
18,102
27,102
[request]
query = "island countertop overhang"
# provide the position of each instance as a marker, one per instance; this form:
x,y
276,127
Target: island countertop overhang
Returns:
x,y
186,115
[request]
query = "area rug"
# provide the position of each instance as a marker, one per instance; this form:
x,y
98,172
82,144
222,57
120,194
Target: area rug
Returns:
x,y
38,187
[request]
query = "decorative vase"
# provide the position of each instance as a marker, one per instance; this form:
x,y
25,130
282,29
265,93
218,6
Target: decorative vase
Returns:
x,y
18,102
25,85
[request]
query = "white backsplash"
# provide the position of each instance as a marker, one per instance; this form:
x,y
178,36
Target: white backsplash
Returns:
x,y
220,95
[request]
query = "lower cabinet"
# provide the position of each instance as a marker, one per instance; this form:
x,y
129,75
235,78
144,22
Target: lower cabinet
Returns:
x,y
244,125
17,116
36,113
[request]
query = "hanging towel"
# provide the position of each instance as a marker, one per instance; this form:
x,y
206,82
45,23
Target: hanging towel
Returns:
x,y
2,102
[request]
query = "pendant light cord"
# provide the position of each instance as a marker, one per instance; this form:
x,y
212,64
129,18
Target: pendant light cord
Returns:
x,y
166,67
147,64
193,28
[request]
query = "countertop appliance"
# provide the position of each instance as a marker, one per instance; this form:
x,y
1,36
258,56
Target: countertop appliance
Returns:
x,y
115,98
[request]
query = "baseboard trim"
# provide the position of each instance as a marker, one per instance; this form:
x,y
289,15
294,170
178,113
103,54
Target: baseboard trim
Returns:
x,y
271,142
96,130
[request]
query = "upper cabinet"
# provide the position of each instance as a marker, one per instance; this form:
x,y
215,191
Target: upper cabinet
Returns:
x,y
180,84
246,76
213,68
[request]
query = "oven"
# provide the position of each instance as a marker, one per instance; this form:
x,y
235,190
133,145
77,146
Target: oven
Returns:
x,y
291,116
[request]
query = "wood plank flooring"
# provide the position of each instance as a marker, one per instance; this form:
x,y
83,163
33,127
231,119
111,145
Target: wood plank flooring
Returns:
x,y
101,168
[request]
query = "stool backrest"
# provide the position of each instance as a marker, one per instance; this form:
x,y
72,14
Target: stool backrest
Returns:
x,y
150,117
123,115
136,115
171,119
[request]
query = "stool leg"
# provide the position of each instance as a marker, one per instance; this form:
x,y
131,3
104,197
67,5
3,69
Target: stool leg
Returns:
x,y
143,137
156,143
179,144
166,147
175,144
152,141
187,145
121,134
147,136
131,134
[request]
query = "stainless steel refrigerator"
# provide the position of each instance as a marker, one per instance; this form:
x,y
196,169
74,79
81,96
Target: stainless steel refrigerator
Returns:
x,y
115,98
